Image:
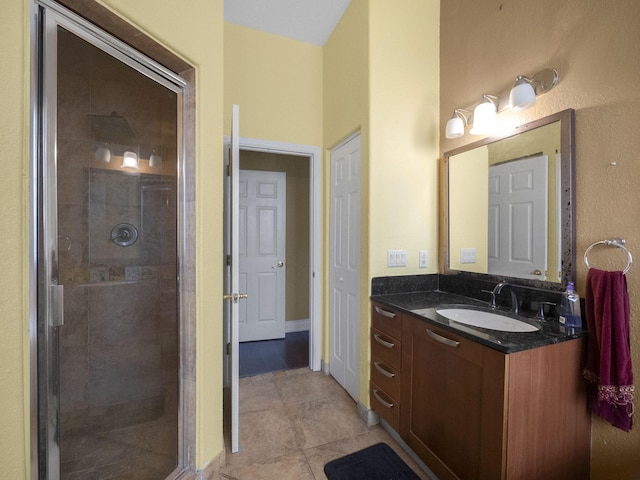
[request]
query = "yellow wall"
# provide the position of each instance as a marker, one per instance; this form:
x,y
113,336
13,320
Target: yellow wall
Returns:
x,y
195,34
278,84
469,208
404,96
596,47
14,346
346,78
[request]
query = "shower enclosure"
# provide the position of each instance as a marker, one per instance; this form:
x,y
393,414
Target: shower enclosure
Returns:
x,y
108,301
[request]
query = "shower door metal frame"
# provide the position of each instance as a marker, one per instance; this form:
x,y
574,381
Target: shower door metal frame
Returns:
x,y
46,298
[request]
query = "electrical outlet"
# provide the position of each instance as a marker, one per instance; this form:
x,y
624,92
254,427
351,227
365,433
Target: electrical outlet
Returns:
x,y
423,259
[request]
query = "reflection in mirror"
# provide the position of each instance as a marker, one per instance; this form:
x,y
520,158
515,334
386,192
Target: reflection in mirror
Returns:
x,y
510,204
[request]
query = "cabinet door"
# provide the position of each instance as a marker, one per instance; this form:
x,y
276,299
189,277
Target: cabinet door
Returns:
x,y
453,403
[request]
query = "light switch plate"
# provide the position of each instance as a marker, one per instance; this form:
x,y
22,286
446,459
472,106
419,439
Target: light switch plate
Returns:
x,y
396,258
467,255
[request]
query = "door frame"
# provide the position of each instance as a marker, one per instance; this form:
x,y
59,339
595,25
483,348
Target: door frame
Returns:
x,y
314,156
151,61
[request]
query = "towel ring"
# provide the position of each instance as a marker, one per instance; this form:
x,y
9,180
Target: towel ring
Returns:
x,y
615,242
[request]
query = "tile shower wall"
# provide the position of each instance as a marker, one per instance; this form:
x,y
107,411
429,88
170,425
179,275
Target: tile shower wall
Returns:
x,y
119,344
120,338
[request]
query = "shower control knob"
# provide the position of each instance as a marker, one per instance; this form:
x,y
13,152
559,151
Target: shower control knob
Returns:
x,y
124,234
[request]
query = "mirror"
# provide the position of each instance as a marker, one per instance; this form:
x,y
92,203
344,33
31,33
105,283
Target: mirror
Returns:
x,y
508,204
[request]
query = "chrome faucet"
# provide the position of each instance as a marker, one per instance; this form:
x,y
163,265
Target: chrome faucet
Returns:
x,y
514,298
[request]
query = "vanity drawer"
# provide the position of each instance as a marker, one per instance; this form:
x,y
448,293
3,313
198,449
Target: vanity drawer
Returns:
x,y
386,377
386,320
385,406
386,349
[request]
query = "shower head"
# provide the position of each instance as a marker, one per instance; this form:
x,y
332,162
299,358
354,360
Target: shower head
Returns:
x,y
111,128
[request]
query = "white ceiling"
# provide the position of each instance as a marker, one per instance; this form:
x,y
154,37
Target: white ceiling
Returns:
x,y
310,21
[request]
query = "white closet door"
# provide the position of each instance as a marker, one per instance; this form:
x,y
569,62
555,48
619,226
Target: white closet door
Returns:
x,y
344,281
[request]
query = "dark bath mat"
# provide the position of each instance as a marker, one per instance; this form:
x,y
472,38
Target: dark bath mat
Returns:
x,y
378,462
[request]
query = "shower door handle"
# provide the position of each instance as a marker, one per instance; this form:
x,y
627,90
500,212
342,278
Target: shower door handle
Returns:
x,y
56,305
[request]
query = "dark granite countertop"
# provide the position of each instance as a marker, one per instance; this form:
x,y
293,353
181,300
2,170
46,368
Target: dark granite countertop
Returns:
x,y
423,305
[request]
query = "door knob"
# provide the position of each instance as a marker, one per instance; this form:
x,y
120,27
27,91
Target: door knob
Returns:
x,y
280,264
537,272
234,297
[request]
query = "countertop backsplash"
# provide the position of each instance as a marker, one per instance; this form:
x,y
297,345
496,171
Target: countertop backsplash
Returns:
x,y
468,286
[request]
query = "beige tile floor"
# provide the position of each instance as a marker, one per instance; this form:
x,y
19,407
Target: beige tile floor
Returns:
x,y
293,422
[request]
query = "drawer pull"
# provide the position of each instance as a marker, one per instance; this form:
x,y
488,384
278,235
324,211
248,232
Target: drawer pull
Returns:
x,y
383,371
441,339
382,342
386,404
384,313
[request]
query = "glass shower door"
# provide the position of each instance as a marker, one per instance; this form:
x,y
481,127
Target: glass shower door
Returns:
x,y
109,352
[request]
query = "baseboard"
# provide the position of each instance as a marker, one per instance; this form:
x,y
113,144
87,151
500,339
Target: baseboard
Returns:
x,y
368,416
324,366
291,326
408,450
211,471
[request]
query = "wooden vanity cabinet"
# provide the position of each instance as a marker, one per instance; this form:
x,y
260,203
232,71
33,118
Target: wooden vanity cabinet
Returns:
x,y
470,412
454,400
386,363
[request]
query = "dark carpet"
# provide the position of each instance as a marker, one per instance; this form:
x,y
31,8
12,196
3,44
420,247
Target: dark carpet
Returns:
x,y
378,462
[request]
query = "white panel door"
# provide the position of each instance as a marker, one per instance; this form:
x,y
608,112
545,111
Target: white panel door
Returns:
x,y
344,279
518,218
262,254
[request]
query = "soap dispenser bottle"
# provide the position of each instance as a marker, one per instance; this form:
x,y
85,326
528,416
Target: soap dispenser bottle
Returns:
x,y
570,315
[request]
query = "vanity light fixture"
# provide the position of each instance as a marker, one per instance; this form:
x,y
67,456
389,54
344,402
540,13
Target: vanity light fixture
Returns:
x,y
518,97
523,94
103,154
130,160
457,123
484,115
155,160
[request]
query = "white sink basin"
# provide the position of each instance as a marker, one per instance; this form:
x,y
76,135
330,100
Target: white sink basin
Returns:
x,y
490,320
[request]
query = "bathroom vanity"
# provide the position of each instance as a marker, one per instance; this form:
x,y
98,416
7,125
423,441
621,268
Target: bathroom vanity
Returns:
x,y
474,403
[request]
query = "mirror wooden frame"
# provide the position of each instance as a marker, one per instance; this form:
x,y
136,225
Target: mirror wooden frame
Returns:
x,y
568,222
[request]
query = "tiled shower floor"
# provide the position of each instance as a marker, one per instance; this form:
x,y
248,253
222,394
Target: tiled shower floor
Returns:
x,y
140,452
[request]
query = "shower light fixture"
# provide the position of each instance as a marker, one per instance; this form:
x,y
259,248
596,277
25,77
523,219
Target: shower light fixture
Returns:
x,y
520,96
130,160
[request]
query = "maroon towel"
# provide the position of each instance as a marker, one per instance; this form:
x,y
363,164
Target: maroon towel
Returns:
x,y
608,367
